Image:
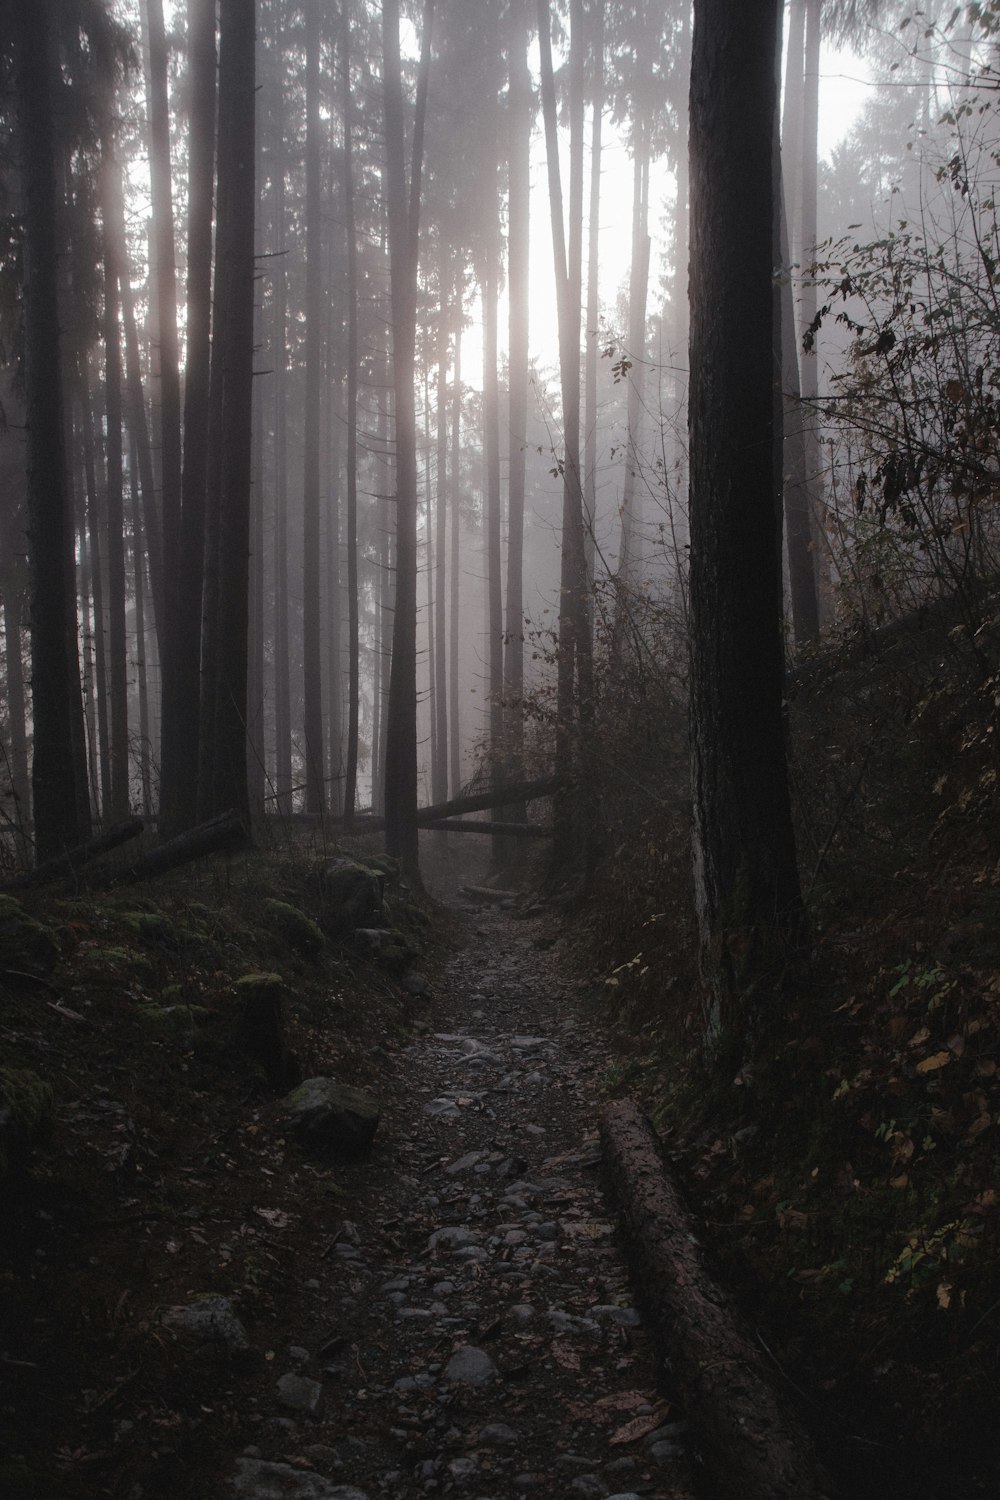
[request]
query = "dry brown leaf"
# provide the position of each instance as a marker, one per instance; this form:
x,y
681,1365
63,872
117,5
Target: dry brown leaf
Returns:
x,y
934,1062
564,1355
639,1426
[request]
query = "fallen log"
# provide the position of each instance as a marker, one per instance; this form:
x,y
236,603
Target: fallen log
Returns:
x,y
487,895
483,825
753,1447
76,858
504,796
227,831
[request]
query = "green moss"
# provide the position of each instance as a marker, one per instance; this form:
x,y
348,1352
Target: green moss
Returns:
x,y
150,927
24,941
248,983
175,1023
293,926
26,1114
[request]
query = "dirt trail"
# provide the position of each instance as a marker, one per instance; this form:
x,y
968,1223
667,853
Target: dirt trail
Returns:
x,y
471,1329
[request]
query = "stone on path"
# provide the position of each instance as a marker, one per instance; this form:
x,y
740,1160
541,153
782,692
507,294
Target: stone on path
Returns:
x,y
327,1115
299,1393
470,1366
211,1318
257,1480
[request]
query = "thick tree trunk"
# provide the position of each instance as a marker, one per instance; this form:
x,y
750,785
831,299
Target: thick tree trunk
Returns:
x,y
282,673
20,782
197,383
170,398
60,817
747,892
234,327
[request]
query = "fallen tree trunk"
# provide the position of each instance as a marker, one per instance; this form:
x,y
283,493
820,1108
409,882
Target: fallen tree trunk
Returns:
x,y
487,894
753,1447
504,796
483,825
74,859
227,831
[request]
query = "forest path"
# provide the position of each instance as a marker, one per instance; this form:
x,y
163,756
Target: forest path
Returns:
x,y
471,1329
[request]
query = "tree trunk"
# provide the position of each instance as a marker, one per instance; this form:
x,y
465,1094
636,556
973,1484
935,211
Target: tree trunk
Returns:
x,y
170,399
60,819
95,551
518,231
351,290
234,328
403,208
115,503
439,764
574,661
629,560
593,302
454,711
312,680
20,784
747,892
282,674
197,384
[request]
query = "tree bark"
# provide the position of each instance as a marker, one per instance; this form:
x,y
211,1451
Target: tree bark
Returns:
x,y
170,398
403,209
187,728
454,591
311,669
520,106
746,879
351,289
60,816
227,787
593,302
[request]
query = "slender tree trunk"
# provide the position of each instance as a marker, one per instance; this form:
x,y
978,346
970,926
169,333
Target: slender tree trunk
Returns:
x,y
574,626
403,215
747,892
170,401
629,555
139,594
95,526
115,511
439,763
353,609
20,782
60,819
282,674
197,387
311,667
454,710
593,304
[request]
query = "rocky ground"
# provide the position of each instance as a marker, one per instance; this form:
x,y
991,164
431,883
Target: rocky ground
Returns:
x,y
469,1327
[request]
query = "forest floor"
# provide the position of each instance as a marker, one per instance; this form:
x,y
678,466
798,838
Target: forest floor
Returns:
x,y
451,1315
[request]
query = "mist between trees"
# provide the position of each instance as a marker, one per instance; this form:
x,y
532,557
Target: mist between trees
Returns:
x,y
291,522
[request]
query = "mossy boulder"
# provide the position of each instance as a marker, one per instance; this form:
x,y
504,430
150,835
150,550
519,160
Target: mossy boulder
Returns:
x,y
150,927
25,943
293,927
329,1116
352,894
26,1115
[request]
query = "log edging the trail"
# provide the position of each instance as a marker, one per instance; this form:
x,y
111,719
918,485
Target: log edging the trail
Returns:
x,y
754,1448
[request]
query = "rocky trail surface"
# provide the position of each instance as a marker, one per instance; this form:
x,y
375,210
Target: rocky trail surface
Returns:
x,y
469,1327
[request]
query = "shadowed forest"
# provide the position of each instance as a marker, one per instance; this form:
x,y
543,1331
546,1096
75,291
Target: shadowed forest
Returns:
x,y
500,626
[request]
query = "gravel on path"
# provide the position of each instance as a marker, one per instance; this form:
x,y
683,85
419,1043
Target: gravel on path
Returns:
x,y
471,1330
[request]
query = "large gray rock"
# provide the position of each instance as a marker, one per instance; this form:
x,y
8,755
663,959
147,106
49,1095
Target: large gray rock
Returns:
x,y
299,1393
470,1366
211,1318
257,1480
329,1116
